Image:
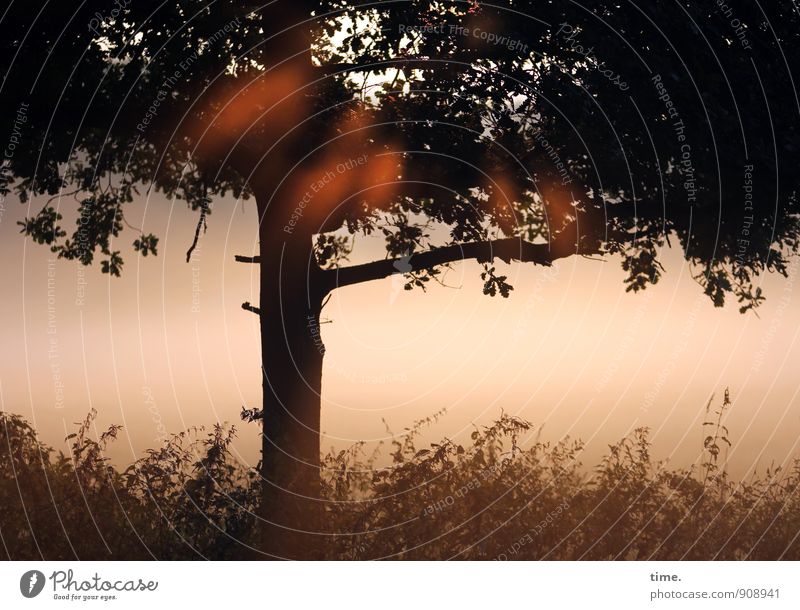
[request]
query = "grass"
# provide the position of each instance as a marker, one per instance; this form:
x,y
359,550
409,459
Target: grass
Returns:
x,y
491,499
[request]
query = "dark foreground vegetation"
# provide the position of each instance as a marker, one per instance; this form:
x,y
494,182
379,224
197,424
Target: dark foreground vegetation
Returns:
x,y
497,498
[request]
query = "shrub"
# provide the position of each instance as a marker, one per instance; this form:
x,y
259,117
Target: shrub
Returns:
x,y
492,499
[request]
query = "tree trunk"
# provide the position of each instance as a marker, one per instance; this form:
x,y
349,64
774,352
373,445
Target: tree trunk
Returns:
x,y
292,352
291,298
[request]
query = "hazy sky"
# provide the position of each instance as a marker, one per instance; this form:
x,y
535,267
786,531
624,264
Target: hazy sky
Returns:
x,y
167,346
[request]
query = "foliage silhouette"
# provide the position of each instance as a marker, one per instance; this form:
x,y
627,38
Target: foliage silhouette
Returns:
x,y
497,498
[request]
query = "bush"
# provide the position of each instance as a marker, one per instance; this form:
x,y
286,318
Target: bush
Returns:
x,y
186,500
490,500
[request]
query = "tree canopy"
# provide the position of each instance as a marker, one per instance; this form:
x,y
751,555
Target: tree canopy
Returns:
x,y
526,130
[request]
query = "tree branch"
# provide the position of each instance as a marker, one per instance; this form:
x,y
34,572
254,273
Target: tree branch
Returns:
x,y
507,250
453,61
248,307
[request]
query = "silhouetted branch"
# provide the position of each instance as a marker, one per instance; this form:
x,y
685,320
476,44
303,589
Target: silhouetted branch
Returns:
x,y
453,61
248,307
507,250
247,259
201,224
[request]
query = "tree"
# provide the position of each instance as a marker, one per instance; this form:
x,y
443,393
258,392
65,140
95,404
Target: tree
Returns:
x,y
519,132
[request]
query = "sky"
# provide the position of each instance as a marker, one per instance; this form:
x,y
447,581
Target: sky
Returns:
x,y
167,347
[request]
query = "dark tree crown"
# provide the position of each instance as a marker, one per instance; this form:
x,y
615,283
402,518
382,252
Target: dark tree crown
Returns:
x,y
524,131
